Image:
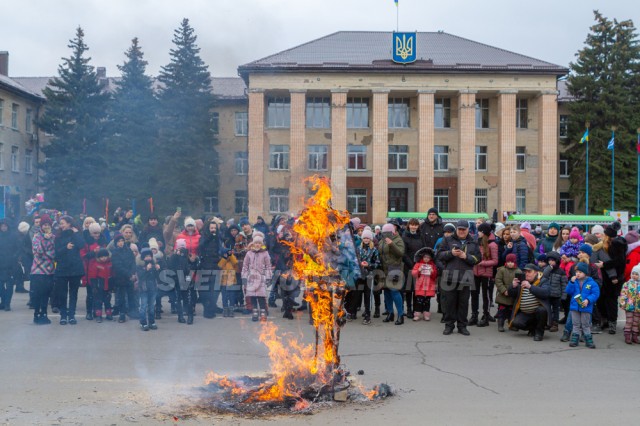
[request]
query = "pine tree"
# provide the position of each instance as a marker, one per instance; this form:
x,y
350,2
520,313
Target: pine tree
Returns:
x,y
75,111
604,82
133,131
188,162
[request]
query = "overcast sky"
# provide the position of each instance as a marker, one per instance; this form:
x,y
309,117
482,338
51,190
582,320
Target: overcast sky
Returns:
x,y
234,32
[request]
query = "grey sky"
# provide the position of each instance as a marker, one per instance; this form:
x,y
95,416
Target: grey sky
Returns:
x,y
234,32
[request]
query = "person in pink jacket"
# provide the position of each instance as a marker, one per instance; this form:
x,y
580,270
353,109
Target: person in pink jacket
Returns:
x,y
484,274
256,272
525,229
425,274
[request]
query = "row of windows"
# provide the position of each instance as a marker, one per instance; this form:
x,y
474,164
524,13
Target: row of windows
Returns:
x,y
15,113
15,159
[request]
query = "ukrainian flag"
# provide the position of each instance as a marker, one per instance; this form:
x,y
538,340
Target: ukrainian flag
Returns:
x,y
396,2
585,137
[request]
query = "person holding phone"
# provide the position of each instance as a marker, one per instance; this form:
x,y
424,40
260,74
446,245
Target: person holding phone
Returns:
x,y
69,268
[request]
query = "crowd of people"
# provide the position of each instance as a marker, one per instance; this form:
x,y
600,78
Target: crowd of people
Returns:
x,y
566,279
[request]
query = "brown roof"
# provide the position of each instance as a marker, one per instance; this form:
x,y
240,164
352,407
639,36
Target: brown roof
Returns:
x,y
350,51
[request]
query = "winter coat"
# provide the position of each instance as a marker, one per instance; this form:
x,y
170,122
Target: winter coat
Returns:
x,y
529,238
88,253
504,281
570,249
100,270
633,258
123,263
69,261
412,243
9,249
521,249
540,289
455,269
594,273
168,235
181,269
281,256
147,280
228,267
209,249
485,268
44,253
618,260
426,275
588,289
629,299
256,271
391,254
600,255
557,281
152,232
369,253
192,241
430,233
546,245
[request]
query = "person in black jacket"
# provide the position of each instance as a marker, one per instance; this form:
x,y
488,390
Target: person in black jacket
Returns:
x,y
69,269
147,285
152,230
9,251
612,275
209,250
123,264
431,229
181,268
456,257
518,246
412,243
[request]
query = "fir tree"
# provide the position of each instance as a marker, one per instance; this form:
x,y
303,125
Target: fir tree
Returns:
x,y
188,164
133,131
75,111
604,82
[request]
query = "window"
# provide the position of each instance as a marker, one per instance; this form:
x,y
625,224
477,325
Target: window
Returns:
x,y
356,157
441,200
357,201
481,200
279,112
242,202
279,157
441,158
211,203
318,157
278,200
28,162
14,116
28,125
242,163
521,158
15,167
564,126
566,203
242,123
564,168
398,113
1,111
398,157
442,111
482,113
215,123
521,200
1,156
481,158
522,115
318,113
357,113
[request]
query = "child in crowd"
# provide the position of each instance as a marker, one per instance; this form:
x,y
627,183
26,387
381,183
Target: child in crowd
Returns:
x,y
147,289
425,273
557,286
185,293
583,292
228,264
630,302
542,261
256,272
124,274
99,274
569,251
504,278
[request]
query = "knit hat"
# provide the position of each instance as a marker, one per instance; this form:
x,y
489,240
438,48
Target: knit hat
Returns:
x,y
554,225
511,257
612,230
636,269
23,227
257,234
542,258
103,252
554,255
377,228
586,248
117,237
525,225
424,250
433,210
231,222
632,237
499,226
45,220
582,267
597,229
244,221
575,234
485,228
449,227
146,252
388,227
355,222
367,234
152,216
181,244
189,221
95,228
258,239
153,244
591,239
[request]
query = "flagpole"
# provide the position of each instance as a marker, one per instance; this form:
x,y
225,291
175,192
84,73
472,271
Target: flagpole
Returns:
x,y
638,184
397,17
586,207
613,166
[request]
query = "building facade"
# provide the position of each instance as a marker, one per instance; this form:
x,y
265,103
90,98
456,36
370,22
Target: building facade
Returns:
x,y
19,142
466,127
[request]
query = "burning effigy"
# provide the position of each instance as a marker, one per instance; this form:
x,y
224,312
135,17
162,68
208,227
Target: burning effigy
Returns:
x,y
303,375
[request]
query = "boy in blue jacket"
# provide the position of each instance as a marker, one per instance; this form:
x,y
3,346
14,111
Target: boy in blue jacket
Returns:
x,y
583,292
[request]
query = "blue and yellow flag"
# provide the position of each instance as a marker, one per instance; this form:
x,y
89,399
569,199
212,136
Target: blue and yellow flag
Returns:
x,y
396,2
585,137
612,141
